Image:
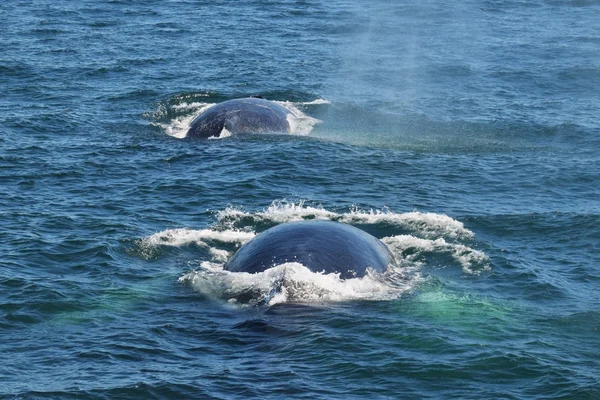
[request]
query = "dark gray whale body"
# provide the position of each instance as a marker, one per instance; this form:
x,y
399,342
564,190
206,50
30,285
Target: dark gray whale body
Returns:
x,y
247,115
321,246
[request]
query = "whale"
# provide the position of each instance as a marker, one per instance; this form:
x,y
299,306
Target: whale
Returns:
x,y
244,115
321,246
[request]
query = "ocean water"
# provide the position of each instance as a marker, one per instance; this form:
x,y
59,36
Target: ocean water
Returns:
x,y
464,134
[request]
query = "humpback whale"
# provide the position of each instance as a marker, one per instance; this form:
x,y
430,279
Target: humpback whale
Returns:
x,y
246,115
321,246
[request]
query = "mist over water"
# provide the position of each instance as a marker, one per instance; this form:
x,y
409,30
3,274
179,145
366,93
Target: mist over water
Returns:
x,y
463,135
464,76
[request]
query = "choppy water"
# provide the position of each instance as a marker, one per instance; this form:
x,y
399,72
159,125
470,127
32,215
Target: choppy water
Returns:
x,y
464,135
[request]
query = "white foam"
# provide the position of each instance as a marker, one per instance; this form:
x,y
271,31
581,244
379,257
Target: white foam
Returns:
x,y
472,261
196,107
300,123
183,236
428,234
278,212
219,255
427,224
292,283
179,126
314,102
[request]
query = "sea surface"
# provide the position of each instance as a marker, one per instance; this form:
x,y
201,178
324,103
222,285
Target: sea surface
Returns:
x,y
464,134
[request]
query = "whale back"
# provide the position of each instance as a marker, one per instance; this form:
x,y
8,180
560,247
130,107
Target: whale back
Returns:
x,y
246,115
321,246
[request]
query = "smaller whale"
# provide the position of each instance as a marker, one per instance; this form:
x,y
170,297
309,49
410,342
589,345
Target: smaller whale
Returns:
x,y
246,115
321,246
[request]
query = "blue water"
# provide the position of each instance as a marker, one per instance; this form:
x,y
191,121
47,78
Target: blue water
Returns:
x,y
463,134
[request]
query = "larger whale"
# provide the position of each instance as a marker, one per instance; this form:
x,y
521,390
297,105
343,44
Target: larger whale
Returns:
x,y
245,115
321,246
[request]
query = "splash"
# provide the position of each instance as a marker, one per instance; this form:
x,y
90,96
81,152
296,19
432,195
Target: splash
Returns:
x,y
293,283
411,248
300,123
179,125
183,236
420,236
278,212
183,113
423,224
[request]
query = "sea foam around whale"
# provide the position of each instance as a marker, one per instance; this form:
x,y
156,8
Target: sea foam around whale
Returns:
x,y
421,236
182,112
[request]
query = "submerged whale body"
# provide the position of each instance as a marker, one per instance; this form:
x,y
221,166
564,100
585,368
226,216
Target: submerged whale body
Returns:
x,y
321,246
246,115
